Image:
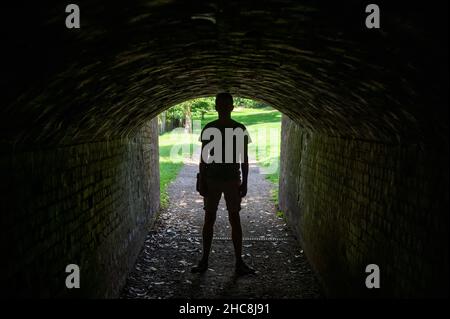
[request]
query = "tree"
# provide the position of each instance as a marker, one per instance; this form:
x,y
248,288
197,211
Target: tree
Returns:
x,y
200,107
187,117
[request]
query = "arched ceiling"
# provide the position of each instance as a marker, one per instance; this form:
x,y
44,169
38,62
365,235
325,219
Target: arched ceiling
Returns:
x,y
313,60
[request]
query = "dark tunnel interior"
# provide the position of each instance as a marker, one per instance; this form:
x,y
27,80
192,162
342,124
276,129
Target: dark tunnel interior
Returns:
x,y
364,169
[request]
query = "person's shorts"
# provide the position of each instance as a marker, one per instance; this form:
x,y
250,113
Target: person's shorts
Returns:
x,y
230,189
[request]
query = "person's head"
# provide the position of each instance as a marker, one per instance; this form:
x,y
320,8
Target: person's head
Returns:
x,y
224,103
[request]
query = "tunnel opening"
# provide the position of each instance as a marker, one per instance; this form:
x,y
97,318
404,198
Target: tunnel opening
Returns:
x,y
180,127
365,134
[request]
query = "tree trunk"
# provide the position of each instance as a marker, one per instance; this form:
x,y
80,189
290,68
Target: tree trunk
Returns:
x,y
163,122
188,119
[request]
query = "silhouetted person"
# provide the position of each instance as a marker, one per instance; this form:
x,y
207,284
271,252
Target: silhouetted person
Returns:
x,y
219,173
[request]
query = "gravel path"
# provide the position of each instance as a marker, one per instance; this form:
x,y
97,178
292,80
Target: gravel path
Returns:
x,y
173,246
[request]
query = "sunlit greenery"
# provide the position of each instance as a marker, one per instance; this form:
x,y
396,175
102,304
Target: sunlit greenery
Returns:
x,y
170,166
200,106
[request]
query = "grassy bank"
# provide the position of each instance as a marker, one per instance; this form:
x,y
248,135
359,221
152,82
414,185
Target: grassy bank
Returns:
x,y
168,167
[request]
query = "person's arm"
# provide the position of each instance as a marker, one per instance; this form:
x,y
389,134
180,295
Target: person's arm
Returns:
x,y
202,164
244,169
202,173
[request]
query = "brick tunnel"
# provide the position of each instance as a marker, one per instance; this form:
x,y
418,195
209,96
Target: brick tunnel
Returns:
x,y
364,158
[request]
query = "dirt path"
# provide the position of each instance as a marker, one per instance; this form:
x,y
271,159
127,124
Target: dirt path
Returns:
x,y
174,246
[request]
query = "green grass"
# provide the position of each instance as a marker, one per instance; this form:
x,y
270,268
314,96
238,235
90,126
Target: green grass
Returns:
x,y
280,214
264,150
168,168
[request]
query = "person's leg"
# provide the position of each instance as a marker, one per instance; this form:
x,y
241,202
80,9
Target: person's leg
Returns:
x,y
236,234
233,201
211,201
207,233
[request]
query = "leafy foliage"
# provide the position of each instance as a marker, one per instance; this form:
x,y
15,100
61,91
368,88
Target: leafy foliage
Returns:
x,y
197,108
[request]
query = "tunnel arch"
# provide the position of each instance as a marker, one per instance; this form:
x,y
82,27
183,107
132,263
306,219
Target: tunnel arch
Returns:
x,y
314,62
366,110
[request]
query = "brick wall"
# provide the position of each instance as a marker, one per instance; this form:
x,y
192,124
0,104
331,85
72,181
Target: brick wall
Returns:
x,y
87,204
355,202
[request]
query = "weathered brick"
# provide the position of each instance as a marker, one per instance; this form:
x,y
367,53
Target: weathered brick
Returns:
x,y
71,218
398,222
